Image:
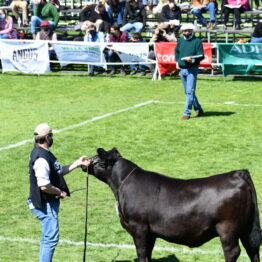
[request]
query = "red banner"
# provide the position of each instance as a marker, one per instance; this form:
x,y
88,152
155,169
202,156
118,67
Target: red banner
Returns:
x,y
165,55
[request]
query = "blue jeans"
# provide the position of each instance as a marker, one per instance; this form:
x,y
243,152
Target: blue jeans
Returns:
x,y
48,217
120,13
4,36
133,67
256,39
189,79
211,8
137,26
36,21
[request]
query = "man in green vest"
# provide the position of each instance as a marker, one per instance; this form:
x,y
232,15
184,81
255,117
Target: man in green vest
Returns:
x,y
188,53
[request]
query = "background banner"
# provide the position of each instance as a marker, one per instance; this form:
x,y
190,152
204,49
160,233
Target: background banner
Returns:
x,y
25,57
165,55
68,53
240,59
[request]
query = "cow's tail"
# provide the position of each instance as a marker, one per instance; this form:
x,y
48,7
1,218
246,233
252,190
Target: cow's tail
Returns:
x,y
255,236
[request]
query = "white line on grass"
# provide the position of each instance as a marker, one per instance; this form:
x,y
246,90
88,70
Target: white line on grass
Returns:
x,y
123,246
118,112
81,123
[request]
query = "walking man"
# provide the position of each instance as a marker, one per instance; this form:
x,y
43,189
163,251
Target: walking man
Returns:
x,y
189,52
47,185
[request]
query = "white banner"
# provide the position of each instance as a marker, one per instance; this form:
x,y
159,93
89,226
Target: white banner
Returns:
x,y
131,52
69,53
24,56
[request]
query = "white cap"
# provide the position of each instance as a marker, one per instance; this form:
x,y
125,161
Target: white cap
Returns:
x,y
187,27
43,130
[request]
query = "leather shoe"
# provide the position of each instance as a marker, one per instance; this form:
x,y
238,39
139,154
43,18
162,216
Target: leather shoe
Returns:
x,y
122,72
112,72
199,113
184,117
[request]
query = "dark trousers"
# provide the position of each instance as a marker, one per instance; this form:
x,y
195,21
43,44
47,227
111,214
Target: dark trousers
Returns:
x,y
237,14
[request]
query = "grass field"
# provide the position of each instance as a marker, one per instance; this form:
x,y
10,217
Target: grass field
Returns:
x,y
228,137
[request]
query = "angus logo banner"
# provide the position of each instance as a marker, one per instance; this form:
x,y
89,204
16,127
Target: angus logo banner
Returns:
x,y
25,56
165,55
242,59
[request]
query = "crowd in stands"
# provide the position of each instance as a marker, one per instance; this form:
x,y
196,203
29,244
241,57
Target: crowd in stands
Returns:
x,y
122,21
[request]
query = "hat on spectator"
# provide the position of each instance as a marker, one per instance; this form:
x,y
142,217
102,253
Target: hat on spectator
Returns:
x,y
162,26
44,23
43,130
187,27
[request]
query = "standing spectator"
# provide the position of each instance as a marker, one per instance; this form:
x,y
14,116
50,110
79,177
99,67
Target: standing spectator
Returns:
x,y
116,8
6,26
134,17
47,185
116,36
189,52
43,11
93,36
236,7
257,33
15,5
95,13
170,12
137,38
202,6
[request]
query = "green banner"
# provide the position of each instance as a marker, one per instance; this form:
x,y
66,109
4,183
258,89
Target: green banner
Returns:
x,y
240,59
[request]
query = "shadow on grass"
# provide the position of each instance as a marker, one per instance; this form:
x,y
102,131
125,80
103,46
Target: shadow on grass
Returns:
x,y
213,113
170,258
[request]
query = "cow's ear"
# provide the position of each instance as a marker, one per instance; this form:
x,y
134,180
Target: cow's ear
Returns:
x,y
101,152
116,153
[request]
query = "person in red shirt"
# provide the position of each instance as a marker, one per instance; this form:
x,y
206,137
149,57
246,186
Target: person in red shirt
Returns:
x,y
115,36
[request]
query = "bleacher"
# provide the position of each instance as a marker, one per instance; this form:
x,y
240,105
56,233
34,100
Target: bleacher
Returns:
x,y
69,18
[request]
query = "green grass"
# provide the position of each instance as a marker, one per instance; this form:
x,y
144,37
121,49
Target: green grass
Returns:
x,y
153,136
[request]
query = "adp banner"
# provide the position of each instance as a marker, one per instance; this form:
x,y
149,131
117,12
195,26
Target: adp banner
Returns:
x,y
165,55
68,53
25,56
240,59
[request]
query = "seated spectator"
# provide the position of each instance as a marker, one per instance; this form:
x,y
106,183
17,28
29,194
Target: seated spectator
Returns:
x,y
17,4
96,14
134,17
236,7
93,36
137,38
43,11
116,36
257,33
160,35
170,12
6,26
116,8
47,33
149,4
202,6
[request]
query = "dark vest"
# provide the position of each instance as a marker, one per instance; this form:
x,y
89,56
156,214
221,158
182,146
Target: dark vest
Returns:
x,y
36,194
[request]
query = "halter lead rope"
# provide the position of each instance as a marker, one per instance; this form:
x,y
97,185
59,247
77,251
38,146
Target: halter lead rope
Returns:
x,y
85,239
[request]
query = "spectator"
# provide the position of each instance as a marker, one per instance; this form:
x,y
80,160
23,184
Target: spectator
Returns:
x,y
15,5
6,26
116,8
160,35
116,36
202,6
236,7
134,17
189,52
137,38
257,33
149,4
170,12
95,13
43,11
93,36
47,33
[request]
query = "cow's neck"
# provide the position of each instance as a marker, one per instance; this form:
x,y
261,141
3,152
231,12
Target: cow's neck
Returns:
x,y
122,170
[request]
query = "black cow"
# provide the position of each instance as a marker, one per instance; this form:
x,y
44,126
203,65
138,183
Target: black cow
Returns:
x,y
188,212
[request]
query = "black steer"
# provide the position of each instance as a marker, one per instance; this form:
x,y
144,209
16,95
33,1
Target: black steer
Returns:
x,y
188,212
